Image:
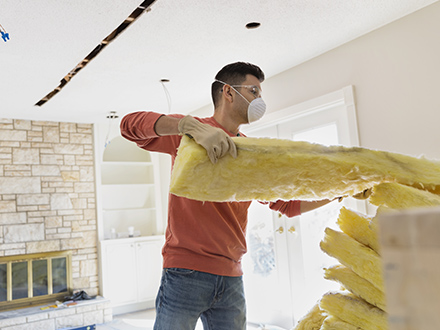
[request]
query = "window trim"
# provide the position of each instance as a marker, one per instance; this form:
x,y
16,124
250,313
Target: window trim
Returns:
x,y
343,97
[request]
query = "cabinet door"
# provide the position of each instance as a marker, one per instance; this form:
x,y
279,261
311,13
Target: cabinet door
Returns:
x,y
121,274
149,269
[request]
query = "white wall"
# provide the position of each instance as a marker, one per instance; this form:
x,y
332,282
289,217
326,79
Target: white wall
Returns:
x,y
395,72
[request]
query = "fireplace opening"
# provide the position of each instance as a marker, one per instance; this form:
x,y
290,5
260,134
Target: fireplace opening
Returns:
x,y
34,279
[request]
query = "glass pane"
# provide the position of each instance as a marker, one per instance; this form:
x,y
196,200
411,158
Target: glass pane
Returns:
x,y
19,280
39,277
313,225
265,270
59,275
326,135
3,289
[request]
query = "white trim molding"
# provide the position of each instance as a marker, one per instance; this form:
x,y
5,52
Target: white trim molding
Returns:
x,y
343,97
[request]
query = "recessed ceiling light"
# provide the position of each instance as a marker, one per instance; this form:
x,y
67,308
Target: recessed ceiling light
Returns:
x,y
252,25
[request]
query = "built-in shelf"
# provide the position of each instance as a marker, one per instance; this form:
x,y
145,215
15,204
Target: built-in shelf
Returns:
x,y
129,196
128,163
129,189
127,173
132,208
121,150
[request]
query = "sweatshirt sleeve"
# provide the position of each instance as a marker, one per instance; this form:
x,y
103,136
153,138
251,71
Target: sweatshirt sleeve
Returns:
x,y
289,208
138,127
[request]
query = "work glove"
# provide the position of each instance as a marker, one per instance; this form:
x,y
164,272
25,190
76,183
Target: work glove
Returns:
x,y
216,141
363,194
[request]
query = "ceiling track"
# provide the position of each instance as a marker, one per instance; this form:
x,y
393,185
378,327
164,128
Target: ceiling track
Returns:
x,y
142,8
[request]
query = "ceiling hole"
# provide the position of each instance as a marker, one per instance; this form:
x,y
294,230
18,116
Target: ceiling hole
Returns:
x,y
252,25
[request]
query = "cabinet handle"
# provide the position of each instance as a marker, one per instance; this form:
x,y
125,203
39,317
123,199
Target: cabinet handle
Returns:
x,y
292,230
280,230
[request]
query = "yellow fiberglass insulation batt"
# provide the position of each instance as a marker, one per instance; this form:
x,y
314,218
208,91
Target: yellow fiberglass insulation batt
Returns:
x,y
312,320
271,169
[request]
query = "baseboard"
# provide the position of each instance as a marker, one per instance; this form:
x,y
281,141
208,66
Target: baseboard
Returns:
x,y
133,307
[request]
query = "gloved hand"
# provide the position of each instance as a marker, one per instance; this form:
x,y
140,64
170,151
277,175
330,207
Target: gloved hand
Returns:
x,y
216,141
363,194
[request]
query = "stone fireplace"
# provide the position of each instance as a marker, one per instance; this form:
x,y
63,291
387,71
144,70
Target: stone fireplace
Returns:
x,y
47,194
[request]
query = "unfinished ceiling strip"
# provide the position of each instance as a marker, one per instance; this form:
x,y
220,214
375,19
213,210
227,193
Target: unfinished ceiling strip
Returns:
x,y
143,7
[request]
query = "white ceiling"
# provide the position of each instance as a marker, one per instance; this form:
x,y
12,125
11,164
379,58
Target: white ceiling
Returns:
x,y
186,41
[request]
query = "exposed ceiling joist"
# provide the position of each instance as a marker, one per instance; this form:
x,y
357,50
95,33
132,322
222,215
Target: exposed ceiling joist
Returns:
x,y
142,8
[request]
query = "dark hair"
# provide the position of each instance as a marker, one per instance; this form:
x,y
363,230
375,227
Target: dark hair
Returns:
x,y
234,74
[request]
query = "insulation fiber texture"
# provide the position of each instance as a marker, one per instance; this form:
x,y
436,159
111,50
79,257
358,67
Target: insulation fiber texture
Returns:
x,y
397,196
369,236
359,258
354,311
356,285
334,323
359,227
272,169
312,320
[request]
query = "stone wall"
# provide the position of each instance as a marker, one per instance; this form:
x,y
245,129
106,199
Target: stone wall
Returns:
x,y
86,313
47,194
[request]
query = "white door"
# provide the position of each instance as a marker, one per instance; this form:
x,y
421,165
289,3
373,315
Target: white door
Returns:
x,y
283,273
283,267
266,272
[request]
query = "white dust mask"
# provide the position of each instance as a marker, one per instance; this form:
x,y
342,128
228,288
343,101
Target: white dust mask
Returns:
x,y
256,108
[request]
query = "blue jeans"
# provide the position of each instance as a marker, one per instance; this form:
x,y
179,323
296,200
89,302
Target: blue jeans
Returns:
x,y
185,295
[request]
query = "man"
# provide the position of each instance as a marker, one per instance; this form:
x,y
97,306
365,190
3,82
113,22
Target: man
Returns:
x,y
205,241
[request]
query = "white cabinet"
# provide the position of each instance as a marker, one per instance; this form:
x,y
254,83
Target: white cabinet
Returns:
x,y
149,269
120,274
131,272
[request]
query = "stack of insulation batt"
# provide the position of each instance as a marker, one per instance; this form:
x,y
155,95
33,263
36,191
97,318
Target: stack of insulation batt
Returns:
x,y
362,305
272,169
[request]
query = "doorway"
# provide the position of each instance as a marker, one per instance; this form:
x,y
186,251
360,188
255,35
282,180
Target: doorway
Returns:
x,y
284,264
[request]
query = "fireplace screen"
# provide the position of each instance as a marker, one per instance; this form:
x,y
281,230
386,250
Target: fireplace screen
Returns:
x,y
34,278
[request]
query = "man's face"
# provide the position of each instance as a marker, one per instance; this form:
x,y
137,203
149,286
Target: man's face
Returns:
x,y
250,89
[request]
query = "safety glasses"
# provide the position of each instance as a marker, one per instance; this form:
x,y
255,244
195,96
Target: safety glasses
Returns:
x,y
256,92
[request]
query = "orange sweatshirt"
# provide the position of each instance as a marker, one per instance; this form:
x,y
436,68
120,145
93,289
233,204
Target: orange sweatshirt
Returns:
x,y
204,236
